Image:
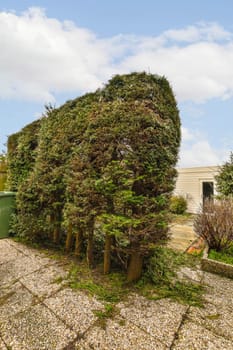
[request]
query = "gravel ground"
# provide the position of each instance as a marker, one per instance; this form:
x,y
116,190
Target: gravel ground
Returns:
x,y
38,313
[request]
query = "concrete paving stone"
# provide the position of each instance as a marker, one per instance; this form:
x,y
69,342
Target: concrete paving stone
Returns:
x,y
6,277
119,335
218,289
25,249
218,282
218,319
2,345
7,253
23,266
41,258
189,274
36,329
63,314
75,308
182,235
44,282
196,337
218,297
13,300
160,318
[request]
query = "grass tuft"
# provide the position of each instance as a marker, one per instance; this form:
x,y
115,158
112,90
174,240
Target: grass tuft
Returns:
x,y
225,255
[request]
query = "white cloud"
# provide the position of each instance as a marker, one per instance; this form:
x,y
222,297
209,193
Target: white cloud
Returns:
x,y
186,134
41,57
204,31
197,151
198,71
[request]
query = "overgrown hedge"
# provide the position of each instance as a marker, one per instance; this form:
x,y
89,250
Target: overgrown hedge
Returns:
x,y
21,154
3,172
99,172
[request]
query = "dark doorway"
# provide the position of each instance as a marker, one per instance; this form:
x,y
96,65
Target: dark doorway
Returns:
x,y
207,190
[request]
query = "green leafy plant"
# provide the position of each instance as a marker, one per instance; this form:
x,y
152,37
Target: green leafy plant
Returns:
x,y
225,178
104,162
107,313
3,171
160,278
178,205
225,255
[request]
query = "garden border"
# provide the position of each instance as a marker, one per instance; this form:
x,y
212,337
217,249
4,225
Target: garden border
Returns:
x,y
214,266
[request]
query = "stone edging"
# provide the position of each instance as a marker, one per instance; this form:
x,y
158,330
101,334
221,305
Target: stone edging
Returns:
x,y
215,266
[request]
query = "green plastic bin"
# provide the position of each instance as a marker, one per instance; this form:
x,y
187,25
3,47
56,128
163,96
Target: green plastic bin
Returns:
x,y
7,205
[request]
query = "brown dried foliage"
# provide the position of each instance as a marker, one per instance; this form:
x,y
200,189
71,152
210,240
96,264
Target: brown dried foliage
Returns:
x,y
215,223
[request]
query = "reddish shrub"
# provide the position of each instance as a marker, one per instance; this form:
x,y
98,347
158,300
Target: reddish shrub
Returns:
x,y
215,223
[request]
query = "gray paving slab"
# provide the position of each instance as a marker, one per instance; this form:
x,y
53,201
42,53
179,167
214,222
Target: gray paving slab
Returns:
x,y
190,274
38,313
6,276
36,329
196,337
160,318
7,253
40,257
22,265
75,308
218,319
182,235
45,282
2,345
119,335
14,299
218,289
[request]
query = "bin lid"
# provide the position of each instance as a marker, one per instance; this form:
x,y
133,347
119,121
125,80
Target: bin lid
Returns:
x,y
7,194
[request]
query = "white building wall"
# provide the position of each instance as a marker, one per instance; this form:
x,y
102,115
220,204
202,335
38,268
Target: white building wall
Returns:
x,y
189,184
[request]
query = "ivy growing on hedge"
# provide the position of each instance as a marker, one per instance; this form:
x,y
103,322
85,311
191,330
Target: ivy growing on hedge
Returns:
x,y
102,173
22,151
3,172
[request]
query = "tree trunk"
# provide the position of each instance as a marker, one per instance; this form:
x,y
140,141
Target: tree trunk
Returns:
x,y
56,234
107,254
78,244
90,243
90,246
69,238
51,225
56,227
135,267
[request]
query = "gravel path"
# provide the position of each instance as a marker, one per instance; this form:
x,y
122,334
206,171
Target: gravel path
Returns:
x,y
37,313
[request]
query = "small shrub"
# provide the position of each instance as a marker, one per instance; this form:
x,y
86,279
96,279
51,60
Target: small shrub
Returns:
x,y
178,205
214,223
224,178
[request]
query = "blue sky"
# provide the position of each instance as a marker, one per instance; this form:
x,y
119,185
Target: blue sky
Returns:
x,y
52,51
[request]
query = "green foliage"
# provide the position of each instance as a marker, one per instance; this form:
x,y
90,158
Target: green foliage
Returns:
x,y
160,278
158,281
164,263
108,288
104,162
225,178
108,312
178,205
225,255
3,172
21,154
44,188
